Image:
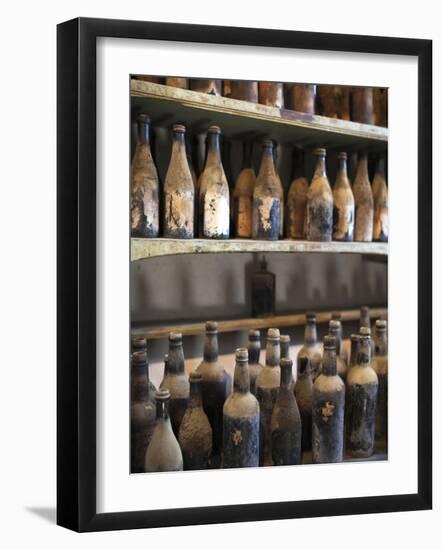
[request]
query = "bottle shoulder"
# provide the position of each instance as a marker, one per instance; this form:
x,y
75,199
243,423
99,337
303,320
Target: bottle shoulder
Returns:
x,y
268,378
360,375
244,185
241,405
328,384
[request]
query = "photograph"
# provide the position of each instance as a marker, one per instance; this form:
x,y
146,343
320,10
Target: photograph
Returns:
x,y
258,226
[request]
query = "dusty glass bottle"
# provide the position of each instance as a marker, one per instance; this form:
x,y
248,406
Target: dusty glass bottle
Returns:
x,y
263,291
216,386
268,382
243,192
311,349
364,202
177,82
206,86
303,394
380,366
195,435
267,204
286,427
281,191
285,353
362,108
178,221
380,193
361,399
271,94
301,97
296,203
241,419
142,410
144,185
138,343
331,101
336,316
176,380
335,329
344,206
355,340
214,213
164,453
254,359
328,403
245,90
380,101
320,202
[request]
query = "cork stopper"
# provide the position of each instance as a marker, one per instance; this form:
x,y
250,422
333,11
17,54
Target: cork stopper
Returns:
x,y
214,130
254,335
285,339
211,327
273,334
241,355
142,117
181,128
139,357
329,342
320,152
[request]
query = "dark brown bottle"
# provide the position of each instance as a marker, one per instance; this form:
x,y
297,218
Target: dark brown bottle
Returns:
x,y
267,203
153,79
296,204
380,115
164,453
364,202
362,105
216,385
336,316
271,94
330,100
138,343
195,435
176,380
206,86
144,186
227,88
142,410
328,403
243,193
241,420
361,399
335,330
320,202
178,191
311,349
263,291
286,427
177,82
214,211
268,382
380,193
344,206
254,359
380,366
245,90
303,393
301,97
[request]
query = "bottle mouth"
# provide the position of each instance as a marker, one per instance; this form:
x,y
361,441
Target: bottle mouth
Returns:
x,y
139,357
254,335
241,354
214,130
211,327
311,316
329,342
286,362
365,332
342,156
320,152
285,339
181,128
380,324
273,334
142,117
334,325
175,337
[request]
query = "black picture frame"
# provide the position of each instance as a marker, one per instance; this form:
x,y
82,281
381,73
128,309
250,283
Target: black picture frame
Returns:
x,y
76,273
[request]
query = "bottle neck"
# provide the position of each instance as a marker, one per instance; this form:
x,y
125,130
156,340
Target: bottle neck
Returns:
x,y
310,332
272,353
176,359
213,151
139,380
320,168
178,144
381,343
286,376
241,377
329,362
380,167
365,320
162,410
195,394
362,166
284,349
143,132
354,352
267,162
337,334
253,352
364,352
343,168
210,350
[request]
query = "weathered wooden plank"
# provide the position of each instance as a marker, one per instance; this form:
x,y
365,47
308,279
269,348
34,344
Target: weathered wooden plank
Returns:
x,y
151,248
278,321
169,100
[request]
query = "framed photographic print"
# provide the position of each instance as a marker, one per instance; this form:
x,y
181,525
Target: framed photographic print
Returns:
x,y
244,222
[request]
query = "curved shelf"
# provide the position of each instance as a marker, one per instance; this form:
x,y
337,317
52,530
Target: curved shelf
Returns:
x,y
166,105
151,248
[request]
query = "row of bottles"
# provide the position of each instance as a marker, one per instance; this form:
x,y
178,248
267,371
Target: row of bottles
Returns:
x,y
360,104
257,207
262,417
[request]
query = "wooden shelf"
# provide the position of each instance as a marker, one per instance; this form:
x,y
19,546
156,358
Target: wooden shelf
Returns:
x,y
234,325
240,119
151,248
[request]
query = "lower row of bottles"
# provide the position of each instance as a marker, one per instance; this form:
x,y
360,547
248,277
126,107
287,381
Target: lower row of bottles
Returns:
x,y
263,417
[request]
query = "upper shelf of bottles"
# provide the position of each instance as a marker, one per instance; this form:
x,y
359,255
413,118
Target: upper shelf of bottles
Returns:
x,y
241,119
151,248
